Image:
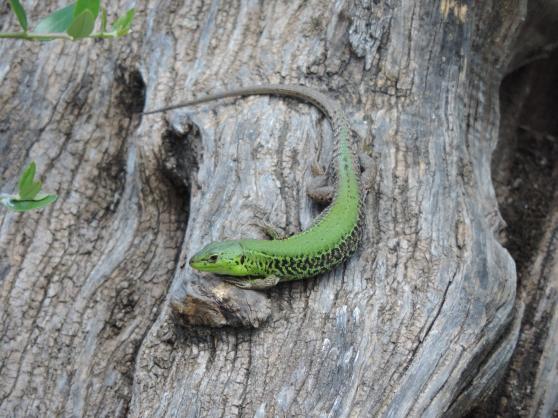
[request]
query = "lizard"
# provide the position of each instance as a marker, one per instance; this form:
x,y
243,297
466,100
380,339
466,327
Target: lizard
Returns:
x,y
332,237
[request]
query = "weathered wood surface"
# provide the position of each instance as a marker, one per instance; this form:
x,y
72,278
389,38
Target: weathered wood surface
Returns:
x,y
419,322
525,173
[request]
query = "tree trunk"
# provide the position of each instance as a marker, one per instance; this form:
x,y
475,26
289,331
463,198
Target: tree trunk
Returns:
x,y
525,167
101,316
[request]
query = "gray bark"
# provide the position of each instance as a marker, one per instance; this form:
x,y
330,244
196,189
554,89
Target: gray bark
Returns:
x,y
525,168
99,314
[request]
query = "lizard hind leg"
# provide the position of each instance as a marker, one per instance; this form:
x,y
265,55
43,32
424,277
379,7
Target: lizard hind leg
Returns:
x,y
322,194
319,190
367,175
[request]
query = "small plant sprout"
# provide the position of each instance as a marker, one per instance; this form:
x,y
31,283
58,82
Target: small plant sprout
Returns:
x,y
75,21
29,194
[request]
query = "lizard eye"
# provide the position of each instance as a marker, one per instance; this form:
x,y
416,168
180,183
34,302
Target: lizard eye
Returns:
x,y
213,258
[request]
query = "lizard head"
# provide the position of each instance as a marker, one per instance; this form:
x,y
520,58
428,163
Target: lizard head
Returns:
x,y
222,257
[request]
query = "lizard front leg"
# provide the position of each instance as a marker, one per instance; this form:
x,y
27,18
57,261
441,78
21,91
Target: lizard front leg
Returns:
x,y
255,284
272,231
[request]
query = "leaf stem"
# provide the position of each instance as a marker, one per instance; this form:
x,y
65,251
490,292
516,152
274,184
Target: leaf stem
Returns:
x,y
30,36
103,35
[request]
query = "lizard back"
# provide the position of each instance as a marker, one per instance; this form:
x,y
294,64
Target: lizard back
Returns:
x,y
333,236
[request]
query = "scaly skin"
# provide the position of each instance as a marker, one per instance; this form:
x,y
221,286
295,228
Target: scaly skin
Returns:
x,y
331,239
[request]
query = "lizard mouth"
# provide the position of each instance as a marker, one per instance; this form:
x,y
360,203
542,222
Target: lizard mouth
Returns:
x,y
201,264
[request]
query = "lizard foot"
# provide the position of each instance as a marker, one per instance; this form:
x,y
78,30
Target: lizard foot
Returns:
x,y
316,169
318,189
272,231
367,176
321,194
255,284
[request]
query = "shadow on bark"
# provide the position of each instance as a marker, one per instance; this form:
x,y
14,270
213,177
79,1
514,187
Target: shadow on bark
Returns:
x,y
525,173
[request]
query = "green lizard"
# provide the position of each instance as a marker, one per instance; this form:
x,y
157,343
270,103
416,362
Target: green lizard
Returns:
x,y
333,236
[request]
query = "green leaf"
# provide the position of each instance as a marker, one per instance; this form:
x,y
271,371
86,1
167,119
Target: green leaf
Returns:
x,y
82,25
27,176
28,188
58,21
20,13
83,5
104,20
33,191
25,205
29,196
122,25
